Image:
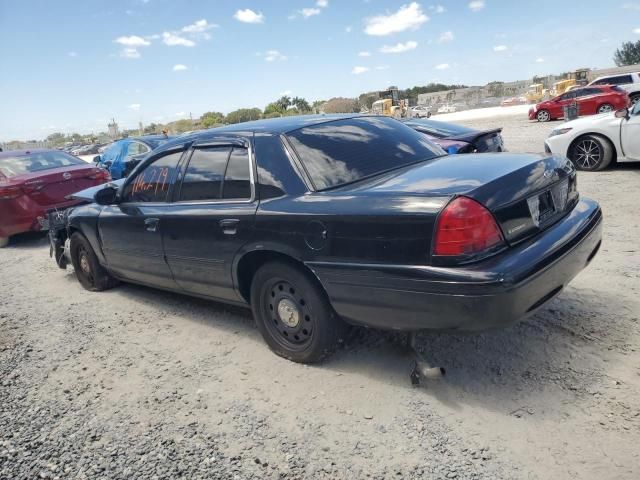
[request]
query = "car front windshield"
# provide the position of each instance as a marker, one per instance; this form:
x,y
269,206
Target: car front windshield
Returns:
x,y
439,129
343,151
24,163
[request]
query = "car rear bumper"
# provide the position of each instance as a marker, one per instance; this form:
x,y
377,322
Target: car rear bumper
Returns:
x,y
492,293
24,215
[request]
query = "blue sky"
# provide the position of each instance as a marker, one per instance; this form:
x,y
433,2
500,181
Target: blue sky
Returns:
x,y
72,65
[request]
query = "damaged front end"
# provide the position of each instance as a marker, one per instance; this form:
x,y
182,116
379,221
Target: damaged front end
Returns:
x,y
59,242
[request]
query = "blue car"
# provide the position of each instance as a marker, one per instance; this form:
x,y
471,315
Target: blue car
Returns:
x,y
122,156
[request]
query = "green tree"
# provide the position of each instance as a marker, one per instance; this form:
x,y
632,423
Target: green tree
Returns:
x,y
273,108
56,139
341,105
627,54
244,115
301,104
283,102
316,106
212,119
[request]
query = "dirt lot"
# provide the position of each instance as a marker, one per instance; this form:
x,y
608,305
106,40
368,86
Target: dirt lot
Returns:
x,y
136,383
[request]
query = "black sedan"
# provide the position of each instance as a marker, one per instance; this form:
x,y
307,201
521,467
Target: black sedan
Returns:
x,y
321,221
457,138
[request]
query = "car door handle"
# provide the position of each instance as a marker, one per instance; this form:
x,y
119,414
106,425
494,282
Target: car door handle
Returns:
x,y
151,224
229,226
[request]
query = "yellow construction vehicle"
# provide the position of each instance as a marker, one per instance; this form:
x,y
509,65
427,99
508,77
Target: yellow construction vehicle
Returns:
x,y
580,76
563,86
536,93
390,104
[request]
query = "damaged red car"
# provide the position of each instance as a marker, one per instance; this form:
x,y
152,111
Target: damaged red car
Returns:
x,y
33,182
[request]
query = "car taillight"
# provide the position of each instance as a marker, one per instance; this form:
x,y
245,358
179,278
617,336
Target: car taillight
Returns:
x,y
101,174
465,227
10,192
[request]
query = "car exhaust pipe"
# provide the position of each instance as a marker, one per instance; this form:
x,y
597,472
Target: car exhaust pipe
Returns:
x,y
422,370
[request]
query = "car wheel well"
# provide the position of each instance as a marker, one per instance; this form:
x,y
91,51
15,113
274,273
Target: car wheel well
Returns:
x,y
577,139
252,261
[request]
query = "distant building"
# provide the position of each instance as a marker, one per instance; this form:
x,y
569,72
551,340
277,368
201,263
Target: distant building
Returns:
x,y
114,131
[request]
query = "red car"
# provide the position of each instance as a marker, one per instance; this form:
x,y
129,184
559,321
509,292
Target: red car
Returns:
x,y
34,181
590,100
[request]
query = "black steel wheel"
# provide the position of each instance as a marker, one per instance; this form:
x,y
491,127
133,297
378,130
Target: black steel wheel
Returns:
x,y
591,153
293,313
91,275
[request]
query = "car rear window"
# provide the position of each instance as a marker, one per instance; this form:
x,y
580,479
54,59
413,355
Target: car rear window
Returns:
x,y
344,151
19,164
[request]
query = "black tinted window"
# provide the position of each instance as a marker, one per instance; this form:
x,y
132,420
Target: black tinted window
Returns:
x,y
237,183
568,95
585,92
347,150
203,178
154,182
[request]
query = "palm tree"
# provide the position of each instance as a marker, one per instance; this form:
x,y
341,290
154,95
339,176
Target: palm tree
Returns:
x,y
301,104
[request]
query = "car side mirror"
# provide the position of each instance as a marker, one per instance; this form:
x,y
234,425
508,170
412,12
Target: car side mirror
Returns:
x,y
622,113
97,159
107,195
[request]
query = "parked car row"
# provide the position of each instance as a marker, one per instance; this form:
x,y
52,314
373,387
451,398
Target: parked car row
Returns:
x,y
317,222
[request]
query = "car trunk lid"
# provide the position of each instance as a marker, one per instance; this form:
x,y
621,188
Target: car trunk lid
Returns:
x,y
51,187
526,193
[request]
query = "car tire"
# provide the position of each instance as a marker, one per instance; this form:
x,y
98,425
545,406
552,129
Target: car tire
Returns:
x,y
605,108
591,153
91,275
543,116
4,241
428,114
293,313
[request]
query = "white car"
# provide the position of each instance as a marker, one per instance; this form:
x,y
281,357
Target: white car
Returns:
x,y
627,81
420,111
593,142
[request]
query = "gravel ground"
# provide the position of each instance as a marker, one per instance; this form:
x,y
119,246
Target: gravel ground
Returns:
x,y
137,383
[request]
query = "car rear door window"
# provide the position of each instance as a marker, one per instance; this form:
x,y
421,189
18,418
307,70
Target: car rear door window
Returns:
x,y
237,178
344,151
154,182
205,173
136,148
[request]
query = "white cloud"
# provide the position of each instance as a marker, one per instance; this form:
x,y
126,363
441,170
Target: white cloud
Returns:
x,y
632,6
636,31
348,29
438,8
180,114
408,17
446,37
172,40
180,67
72,54
540,60
442,66
132,41
274,55
359,70
322,3
500,48
364,54
129,53
249,16
199,26
476,5
309,12
134,106
382,67
400,47
286,93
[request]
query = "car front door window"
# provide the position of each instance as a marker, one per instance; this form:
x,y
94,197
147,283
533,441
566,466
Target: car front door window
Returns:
x,y
154,182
